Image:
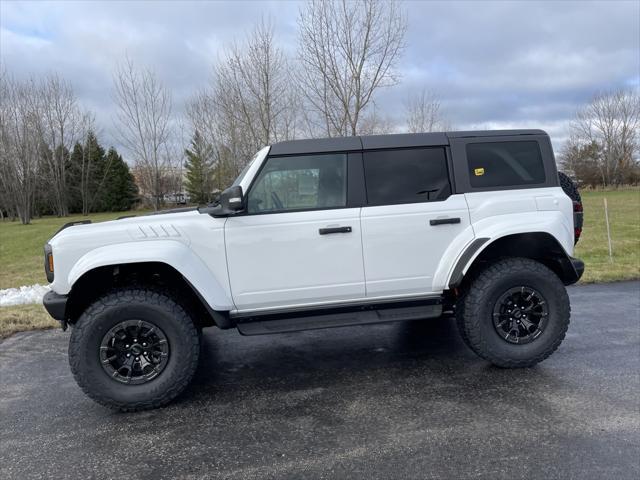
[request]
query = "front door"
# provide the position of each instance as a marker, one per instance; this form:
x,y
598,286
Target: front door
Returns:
x,y
299,242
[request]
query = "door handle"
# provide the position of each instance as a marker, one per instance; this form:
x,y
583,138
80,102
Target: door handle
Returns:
x,y
329,230
444,221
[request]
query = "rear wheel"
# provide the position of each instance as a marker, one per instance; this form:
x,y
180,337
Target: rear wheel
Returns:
x,y
515,313
134,349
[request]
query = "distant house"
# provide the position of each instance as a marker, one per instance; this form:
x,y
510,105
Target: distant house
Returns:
x,y
171,186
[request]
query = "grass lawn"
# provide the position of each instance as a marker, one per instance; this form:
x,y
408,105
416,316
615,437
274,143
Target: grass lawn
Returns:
x,y
624,221
21,254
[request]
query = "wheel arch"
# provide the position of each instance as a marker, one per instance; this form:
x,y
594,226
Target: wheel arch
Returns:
x,y
98,281
540,246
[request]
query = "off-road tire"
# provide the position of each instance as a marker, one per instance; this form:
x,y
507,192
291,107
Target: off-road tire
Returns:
x,y
146,304
474,312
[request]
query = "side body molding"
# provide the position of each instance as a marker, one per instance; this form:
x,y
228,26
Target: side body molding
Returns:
x,y
464,260
215,291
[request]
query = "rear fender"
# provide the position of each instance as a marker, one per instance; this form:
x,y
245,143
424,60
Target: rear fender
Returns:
x,y
548,226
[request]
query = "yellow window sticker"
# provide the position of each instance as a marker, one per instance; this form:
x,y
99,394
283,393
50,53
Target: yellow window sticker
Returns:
x,y
479,172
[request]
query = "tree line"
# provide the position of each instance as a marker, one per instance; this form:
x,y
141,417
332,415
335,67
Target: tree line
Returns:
x,y
50,159
259,93
605,141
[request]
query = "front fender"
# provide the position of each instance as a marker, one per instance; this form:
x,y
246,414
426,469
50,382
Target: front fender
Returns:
x,y
215,291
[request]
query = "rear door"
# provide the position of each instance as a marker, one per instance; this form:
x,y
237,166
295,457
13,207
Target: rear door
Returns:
x,y
410,220
299,243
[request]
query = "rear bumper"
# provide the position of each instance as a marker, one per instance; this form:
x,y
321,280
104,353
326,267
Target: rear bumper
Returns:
x,y
56,305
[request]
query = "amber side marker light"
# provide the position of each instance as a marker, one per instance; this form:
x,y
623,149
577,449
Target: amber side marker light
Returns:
x,y
50,260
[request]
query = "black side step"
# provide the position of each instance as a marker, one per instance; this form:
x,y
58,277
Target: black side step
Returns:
x,y
345,319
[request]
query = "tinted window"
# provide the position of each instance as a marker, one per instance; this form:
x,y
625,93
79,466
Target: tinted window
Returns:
x,y
300,183
503,164
406,176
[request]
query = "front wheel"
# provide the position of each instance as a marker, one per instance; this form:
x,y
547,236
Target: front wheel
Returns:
x,y
515,313
134,349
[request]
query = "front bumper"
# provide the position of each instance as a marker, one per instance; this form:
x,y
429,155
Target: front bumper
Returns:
x,y
56,305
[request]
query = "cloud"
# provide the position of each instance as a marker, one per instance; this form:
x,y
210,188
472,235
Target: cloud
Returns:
x,y
500,64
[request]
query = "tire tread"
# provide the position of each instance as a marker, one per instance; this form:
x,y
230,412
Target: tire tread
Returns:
x,y
479,290
182,376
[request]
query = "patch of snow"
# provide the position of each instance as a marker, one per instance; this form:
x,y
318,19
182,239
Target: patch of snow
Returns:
x,y
23,295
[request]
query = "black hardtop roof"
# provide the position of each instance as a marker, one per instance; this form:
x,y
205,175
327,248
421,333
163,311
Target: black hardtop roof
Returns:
x,y
373,142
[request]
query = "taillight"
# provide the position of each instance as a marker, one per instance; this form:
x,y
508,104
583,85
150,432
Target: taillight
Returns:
x,y
577,207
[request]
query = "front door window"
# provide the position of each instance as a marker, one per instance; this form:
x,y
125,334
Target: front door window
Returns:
x,y
308,182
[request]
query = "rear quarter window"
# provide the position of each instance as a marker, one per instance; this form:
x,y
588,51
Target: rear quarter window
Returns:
x,y
505,164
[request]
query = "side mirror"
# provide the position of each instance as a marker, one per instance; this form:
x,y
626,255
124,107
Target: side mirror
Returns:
x,y
232,199
230,202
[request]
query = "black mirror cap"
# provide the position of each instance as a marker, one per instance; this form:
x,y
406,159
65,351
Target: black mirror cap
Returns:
x,y
232,198
230,202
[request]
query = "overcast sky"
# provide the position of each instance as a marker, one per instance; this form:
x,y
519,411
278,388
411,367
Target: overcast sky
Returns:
x,y
503,64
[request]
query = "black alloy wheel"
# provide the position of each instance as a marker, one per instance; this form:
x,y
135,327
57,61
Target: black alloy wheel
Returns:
x,y
520,315
134,352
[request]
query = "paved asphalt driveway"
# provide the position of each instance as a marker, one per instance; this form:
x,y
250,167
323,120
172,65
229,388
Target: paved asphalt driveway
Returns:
x,y
388,401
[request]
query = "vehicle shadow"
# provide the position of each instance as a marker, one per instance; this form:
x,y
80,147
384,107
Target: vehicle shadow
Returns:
x,y
232,363
325,373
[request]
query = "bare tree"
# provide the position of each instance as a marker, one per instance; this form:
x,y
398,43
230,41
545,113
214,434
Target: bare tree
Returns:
x,y
222,132
255,76
61,119
20,144
143,123
347,51
251,102
608,132
375,123
424,114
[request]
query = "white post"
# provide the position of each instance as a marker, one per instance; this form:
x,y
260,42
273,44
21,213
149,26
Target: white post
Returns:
x,y
606,219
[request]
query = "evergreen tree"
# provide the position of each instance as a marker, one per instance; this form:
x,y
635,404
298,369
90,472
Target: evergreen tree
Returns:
x,y
119,191
94,173
199,170
74,176
85,175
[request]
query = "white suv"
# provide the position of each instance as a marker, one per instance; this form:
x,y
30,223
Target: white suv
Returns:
x,y
326,233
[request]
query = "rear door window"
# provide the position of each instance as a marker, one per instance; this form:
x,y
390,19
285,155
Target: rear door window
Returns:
x,y
504,164
406,176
